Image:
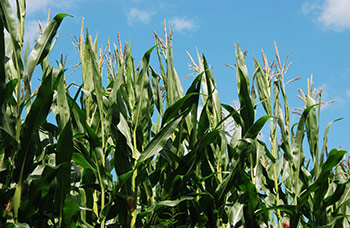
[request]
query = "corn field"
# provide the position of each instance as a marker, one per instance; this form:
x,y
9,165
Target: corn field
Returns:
x,y
143,152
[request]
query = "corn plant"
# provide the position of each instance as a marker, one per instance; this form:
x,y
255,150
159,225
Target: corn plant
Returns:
x,y
130,147
25,142
300,194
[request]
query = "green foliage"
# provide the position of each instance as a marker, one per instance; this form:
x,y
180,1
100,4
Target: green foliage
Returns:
x,y
141,152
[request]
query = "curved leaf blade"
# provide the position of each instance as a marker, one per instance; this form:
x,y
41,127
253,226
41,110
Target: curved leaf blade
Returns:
x,y
159,141
41,49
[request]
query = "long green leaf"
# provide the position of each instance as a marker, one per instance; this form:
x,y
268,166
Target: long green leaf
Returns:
x,y
3,93
333,159
62,109
84,162
10,19
41,50
159,141
36,116
172,82
212,93
263,87
325,139
179,107
143,93
235,115
70,212
255,129
64,154
247,110
97,83
157,95
166,203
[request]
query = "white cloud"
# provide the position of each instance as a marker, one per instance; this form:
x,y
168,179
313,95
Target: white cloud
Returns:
x,y
333,14
328,105
138,15
38,5
340,101
340,98
181,24
310,7
33,6
347,93
336,14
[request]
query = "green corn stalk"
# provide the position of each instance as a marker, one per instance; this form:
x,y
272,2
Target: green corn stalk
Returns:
x,y
175,163
16,30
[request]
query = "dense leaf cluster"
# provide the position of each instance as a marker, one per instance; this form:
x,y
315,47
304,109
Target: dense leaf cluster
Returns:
x,y
141,152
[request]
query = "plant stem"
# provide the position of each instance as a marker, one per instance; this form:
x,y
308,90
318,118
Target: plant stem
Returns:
x,y
102,197
274,154
17,199
251,168
134,175
95,206
18,192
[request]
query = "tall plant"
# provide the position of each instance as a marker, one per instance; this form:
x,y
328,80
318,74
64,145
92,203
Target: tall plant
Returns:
x,y
132,148
301,194
22,141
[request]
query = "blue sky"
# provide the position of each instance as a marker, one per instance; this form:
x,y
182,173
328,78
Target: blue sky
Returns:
x,y
316,35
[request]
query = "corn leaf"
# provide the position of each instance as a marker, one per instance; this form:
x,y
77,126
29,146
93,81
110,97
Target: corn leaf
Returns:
x,y
41,50
159,141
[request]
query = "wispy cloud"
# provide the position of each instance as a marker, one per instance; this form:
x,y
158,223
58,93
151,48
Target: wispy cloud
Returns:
x,y
38,5
33,6
308,7
347,93
334,98
138,15
336,14
182,24
333,14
